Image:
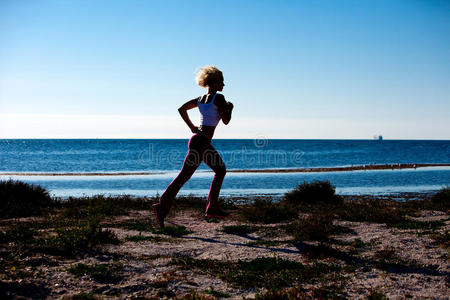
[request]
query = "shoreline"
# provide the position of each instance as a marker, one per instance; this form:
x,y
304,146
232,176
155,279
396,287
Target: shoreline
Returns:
x,y
289,170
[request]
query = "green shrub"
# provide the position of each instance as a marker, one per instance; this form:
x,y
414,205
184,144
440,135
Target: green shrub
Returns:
x,y
266,211
442,198
20,199
315,227
313,193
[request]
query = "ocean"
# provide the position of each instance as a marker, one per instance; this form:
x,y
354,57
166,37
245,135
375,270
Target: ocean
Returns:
x,y
144,167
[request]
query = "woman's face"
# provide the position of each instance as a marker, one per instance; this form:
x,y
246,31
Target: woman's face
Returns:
x,y
218,85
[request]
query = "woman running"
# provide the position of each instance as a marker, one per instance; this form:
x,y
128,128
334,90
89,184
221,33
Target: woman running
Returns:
x,y
213,108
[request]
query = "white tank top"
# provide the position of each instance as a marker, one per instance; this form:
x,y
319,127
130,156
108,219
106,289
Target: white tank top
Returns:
x,y
209,113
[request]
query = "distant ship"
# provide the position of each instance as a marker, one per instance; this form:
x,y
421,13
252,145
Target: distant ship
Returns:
x,y
378,137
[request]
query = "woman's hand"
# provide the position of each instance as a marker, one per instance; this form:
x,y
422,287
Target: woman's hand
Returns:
x,y
225,109
183,112
194,129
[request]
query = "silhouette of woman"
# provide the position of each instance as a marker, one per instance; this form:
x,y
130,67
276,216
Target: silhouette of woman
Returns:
x,y
213,108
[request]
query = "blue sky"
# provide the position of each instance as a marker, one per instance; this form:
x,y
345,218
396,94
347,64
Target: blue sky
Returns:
x,y
293,69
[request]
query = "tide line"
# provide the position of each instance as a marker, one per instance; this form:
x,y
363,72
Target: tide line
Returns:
x,y
281,170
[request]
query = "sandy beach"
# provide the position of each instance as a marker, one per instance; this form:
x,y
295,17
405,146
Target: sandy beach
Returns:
x,y
196,257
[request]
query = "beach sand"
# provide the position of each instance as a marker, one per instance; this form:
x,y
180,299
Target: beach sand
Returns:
x,y
420,271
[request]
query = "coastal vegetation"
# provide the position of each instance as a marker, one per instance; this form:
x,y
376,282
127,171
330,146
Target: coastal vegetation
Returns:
x,y
20,199
104,273
312,193
304,244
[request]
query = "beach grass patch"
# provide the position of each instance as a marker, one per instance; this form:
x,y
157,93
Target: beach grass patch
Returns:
x,y
144,225
70,240
19,233
386,253
23,290
149,238
100,204
273,273
195,295
441,199
322,251
376,295
103,273
142,238
388,259
20,199
239,229
83,296
315,227
331,291
218,294
270,273
269,243
442,238
370,210
414,224
314,193
175,231
392,213
13,268
108,206
190,201
356,243
266,211
321,292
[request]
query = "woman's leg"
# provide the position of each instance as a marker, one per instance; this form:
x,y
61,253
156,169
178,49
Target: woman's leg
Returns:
x,y
197,145
212,158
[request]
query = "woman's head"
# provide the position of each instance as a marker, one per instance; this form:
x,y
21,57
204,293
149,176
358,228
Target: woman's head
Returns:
x,y
211,77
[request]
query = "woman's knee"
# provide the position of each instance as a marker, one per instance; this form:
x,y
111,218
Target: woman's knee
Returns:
x,y
221,171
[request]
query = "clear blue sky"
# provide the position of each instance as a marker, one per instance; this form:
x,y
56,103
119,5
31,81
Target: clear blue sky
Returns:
x,y
293,69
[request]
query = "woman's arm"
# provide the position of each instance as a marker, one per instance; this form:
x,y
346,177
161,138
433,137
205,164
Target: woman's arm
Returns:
x,y
183,112
225,109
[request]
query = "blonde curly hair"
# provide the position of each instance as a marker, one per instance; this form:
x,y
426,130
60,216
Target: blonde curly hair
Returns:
x,y
207,75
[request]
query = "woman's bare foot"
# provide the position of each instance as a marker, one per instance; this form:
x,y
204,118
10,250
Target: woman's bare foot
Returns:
x,y
158,214
217,214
